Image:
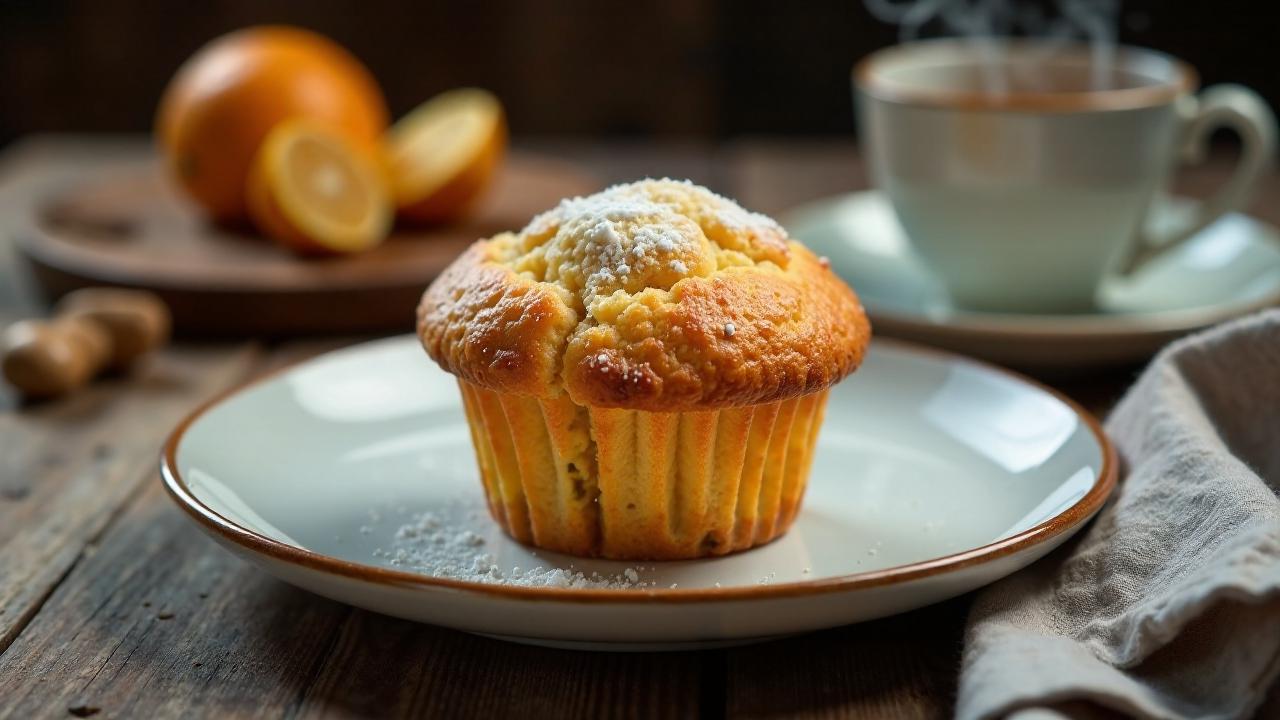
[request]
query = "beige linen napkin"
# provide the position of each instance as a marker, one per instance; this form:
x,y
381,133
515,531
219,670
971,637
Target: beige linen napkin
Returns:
x,y
1168,604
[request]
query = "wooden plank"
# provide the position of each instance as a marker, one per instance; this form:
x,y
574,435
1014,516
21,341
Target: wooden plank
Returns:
x,y
391,668
161,623
901,667
66,467
145,608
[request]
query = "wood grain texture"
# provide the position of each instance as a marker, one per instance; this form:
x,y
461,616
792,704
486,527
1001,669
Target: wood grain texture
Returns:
x,y
386,667
901,667
132,574
67,467
160,623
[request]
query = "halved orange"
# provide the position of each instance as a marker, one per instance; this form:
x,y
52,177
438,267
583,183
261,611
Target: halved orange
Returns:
x,y
317,192
441,156
221,104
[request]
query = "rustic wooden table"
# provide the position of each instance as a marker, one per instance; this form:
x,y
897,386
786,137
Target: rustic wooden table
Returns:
x,y
113,604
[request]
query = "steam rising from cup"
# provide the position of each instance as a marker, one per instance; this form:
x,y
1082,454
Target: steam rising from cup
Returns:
x,y
1052,25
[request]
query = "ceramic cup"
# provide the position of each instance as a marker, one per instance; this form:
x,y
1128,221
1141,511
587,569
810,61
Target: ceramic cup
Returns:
x,y
1024,173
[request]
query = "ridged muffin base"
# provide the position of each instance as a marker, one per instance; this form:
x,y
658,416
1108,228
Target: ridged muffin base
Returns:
x,y
633,485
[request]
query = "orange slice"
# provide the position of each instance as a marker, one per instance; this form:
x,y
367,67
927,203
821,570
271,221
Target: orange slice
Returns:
x,y
317,192
441,156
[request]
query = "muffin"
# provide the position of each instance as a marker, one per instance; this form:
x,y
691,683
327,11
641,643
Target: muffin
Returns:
x,y
644,371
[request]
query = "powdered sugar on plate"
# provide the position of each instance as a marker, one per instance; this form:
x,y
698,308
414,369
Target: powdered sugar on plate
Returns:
x,y
433,545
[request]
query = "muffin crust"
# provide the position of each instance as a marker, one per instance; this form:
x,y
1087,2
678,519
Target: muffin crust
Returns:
x,y
658,296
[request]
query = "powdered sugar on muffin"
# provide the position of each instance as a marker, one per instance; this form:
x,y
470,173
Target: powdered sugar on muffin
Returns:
x,y
649,234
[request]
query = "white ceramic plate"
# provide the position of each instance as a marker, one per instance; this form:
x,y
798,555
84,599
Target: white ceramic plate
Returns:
x,y
935,475
1229,269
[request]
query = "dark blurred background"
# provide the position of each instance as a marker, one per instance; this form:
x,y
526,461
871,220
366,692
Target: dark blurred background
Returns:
x,y
704,69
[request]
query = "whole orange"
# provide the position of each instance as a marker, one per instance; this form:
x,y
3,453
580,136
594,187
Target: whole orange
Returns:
x,y
226,98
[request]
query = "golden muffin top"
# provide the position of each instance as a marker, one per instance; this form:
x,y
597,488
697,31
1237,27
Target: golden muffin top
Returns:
x,y
657,295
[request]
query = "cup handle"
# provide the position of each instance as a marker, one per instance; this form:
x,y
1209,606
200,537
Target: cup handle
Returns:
x,y
1222,106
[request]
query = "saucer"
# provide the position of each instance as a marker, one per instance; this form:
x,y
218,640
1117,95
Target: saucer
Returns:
x,y
352,476
1231,268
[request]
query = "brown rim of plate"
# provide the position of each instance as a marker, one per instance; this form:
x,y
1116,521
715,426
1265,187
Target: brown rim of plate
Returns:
x,y
1077,514
1154,95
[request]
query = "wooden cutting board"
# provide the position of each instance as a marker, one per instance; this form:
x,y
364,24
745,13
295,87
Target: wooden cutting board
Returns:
x,y
128,226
